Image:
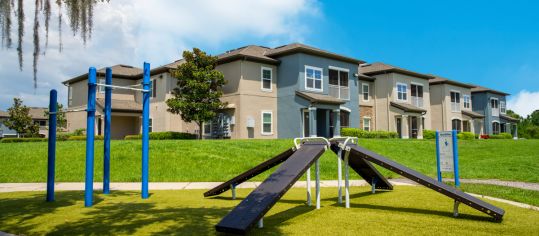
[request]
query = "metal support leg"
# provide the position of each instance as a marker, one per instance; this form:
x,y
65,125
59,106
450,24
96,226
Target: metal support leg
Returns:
x,y
233,188
339,177
346,179
261,223
317,176
373,185
456,209
309,187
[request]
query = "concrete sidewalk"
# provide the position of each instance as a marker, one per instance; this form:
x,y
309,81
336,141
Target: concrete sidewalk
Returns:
x,y
18,187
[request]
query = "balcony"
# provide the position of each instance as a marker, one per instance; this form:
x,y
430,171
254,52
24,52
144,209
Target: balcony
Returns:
x,y
495,111
340,92
417,101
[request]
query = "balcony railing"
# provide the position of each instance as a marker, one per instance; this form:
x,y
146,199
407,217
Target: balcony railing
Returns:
x,y
455,106
417,101
495,111
340,92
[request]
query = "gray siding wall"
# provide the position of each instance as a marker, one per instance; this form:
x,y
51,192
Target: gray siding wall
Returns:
x,y
481,104
291,78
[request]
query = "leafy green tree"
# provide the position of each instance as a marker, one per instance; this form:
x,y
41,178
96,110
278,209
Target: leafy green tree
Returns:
x,y
61,121
198,92
513,114
20,120
534,118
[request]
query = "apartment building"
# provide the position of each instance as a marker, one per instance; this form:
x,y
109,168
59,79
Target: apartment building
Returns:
x,y
451,107
401,100
492,104
38,117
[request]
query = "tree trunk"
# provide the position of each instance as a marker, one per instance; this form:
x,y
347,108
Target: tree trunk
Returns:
x,y
199,130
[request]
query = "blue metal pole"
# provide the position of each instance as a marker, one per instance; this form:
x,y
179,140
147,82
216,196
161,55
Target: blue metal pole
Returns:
x,y
90,129
438,170
456,159
145,128
106,145
52,146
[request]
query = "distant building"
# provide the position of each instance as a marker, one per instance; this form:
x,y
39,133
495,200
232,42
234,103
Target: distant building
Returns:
x,y
38,116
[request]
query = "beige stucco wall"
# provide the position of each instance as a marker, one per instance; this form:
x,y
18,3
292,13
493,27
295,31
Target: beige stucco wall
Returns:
x,y
442,106
437,97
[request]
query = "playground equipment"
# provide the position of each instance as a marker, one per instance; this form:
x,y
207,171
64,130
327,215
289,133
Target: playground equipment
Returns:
x,y
298,160
90,132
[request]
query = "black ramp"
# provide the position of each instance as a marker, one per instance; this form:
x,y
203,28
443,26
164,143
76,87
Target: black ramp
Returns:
x,y
495,212
251,173
260,201
365,169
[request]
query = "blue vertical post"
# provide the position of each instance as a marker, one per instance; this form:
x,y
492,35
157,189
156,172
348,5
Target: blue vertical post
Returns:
x,y
90,129
145,128
52,146
455,158
106,145
438,170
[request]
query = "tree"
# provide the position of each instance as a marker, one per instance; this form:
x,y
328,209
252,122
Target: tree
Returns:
x,y
534,118
20,120
511,113
198,91
61,121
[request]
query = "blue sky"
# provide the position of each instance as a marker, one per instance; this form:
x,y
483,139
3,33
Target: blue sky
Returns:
x,y
491,43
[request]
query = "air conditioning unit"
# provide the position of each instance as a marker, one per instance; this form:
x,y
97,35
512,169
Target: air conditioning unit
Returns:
x,y
250,122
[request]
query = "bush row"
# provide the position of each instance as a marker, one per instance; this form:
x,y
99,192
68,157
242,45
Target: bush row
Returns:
x,y
501,136
63,138
163,136
354,132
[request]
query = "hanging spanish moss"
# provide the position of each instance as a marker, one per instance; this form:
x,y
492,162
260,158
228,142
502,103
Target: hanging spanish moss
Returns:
x,y
79,12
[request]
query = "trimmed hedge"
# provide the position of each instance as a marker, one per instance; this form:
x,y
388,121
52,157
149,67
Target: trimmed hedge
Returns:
x,y
163,136
501,136
429,134
78,138
354,132
22,140
466,136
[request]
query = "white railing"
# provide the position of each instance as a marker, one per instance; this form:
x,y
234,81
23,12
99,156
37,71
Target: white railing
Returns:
x,y
340,92
455,106
417,101
495,111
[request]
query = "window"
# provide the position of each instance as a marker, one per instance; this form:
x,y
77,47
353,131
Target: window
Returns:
x,y
313,78
365,91
495,127
367,124
494,103
101,89
266,79
455,101
402,92
150,125
417,95
153,92
345,119
466,99
267,123
502,107
338,83
41,122
466,126
455,125
70,96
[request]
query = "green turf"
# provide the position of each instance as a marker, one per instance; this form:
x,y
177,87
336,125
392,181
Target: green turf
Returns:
x,y
219,160
406,210
515,194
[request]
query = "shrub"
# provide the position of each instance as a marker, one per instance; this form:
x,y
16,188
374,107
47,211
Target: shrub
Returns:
x,y
79,132
359,133
163,136
78,138
501,136
484,136
466,136
22,140
429,134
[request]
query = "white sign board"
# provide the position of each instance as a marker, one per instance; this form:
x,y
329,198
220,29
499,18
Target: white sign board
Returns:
x,y
446,151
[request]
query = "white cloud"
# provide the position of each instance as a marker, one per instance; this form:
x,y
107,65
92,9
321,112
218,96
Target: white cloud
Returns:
x,y
524,103
133,31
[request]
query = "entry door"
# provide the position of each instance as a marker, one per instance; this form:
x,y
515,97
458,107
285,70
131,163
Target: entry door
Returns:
x,y
306,123
413,126
399,126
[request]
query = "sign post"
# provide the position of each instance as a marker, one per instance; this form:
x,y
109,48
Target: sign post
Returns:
x,y
447,154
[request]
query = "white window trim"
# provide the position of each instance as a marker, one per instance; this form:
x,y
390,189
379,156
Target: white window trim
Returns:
x,y
262,79
321,79
460,103
154,93
345,109
368,92
262,122
490,103
70,95
101,89
370,121
504,107
469,101
397,92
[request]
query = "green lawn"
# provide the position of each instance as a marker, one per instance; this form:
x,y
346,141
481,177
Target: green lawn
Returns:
x,y
219,160
404,211
530,197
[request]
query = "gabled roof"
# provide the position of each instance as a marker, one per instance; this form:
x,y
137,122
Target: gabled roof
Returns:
x,y
480,89
407,107
38,113
166,67
319,98
382,68
472,114
250,52
442,80
118,71
298,47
